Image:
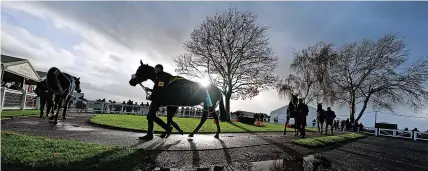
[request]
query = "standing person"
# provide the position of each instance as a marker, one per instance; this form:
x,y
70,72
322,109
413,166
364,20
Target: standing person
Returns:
x,y
329,116
160,83
314,122
303,111
347,125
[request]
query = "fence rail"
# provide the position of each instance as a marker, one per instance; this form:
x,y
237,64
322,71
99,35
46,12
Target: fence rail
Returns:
x,y
414,135
114,108
16,99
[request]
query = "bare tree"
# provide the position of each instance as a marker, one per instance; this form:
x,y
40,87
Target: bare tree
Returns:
x,y
373,71
233,52
306,80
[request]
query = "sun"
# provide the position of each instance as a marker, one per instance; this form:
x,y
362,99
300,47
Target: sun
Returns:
x,y
204,82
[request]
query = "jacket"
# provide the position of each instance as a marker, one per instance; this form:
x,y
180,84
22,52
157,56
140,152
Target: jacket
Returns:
x,y
329,114
303,109
162,80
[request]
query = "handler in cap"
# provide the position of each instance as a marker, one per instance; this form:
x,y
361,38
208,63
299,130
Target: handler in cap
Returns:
x,y
161,81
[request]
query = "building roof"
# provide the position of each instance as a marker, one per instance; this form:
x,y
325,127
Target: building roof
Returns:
x,y
9,59
42,74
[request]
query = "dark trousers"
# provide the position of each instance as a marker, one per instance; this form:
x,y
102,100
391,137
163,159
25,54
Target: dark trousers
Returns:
x,y
151,117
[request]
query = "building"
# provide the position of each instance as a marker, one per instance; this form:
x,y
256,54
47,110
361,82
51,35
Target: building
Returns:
x,y
280,116
21,73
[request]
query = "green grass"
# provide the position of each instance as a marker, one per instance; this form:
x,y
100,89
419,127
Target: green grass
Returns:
x,y
16,113
39,153
327,140
137,122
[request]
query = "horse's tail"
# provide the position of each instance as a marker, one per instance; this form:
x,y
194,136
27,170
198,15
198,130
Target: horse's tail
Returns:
x,y
222,108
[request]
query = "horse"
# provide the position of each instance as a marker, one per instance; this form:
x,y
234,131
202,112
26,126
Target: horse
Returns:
x,y
292,113
320,117
42,91
61,85
182,92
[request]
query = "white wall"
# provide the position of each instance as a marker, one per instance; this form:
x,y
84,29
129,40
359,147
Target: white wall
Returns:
x,y
281,114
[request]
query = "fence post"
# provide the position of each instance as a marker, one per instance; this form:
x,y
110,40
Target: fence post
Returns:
x,y
394,133
23,99
376,132
108,107
3,93
415,135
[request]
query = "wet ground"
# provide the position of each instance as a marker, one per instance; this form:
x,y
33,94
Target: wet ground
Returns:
x,y
243,151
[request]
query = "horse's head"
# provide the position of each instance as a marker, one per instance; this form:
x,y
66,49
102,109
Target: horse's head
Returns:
x,y
319,106
77,82
294,98
143,73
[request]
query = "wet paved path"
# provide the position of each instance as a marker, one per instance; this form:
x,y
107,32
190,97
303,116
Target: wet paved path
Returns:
x,y
203,151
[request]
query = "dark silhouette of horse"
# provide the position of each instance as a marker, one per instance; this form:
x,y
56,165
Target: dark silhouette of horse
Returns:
x,y
61,85
292,113
320,117
183,92
42,91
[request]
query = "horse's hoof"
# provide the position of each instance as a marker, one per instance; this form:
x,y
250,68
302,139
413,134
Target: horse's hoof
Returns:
x,y
216,136
191,135
51,118
163,135
181,132
63,117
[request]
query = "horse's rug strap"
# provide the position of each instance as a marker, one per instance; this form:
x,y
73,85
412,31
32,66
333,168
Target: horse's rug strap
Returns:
x,y
161,84
208,98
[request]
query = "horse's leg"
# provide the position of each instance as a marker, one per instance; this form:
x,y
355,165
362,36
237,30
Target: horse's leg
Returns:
x,y
215,116
58,103
42,105
174,124
64,112
285,126
326,128
170,114
203,119
331,130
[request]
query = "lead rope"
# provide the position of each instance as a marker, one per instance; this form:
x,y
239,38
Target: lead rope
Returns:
x,y
208,99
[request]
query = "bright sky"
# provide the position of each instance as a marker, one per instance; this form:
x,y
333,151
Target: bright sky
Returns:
x,y
102,42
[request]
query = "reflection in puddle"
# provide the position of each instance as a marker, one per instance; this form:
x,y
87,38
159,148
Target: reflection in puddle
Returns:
x,y
69,127
308,163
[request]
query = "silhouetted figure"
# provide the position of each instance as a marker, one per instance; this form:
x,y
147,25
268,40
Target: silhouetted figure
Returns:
x,y
342,125
303,111
314,122
347,125
329,118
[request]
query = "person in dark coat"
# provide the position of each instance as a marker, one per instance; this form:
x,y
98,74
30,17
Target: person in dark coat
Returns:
x,y
161,81
303,111
329,115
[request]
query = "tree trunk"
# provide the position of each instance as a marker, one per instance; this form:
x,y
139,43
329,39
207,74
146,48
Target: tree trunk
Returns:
x,y
227,106
366,101
352,107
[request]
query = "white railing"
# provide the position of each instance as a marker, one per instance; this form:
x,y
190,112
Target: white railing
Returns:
x,y
400,134
17,99
117,108
422,136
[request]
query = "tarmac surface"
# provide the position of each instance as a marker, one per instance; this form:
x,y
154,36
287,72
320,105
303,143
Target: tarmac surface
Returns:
x,y
238,151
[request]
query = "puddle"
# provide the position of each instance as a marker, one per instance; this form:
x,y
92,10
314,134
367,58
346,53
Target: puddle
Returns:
x,y
28,122
70,127
308,163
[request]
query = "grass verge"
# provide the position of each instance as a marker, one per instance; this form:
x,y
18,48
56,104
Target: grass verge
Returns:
x,y
327,140
24,152
139,123
17,113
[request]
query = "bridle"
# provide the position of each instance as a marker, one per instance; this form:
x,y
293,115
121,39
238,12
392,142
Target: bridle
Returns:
x,y
146,89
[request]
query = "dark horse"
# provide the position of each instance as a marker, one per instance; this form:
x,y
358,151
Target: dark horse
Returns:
x,y
320,117
183,92
292,113
62,85
45,97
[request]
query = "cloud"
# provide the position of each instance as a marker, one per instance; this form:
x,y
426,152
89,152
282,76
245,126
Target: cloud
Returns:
x,y
116,35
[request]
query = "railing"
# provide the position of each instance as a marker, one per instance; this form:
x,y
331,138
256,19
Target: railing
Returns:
x,y
16,99
414,135
115,108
